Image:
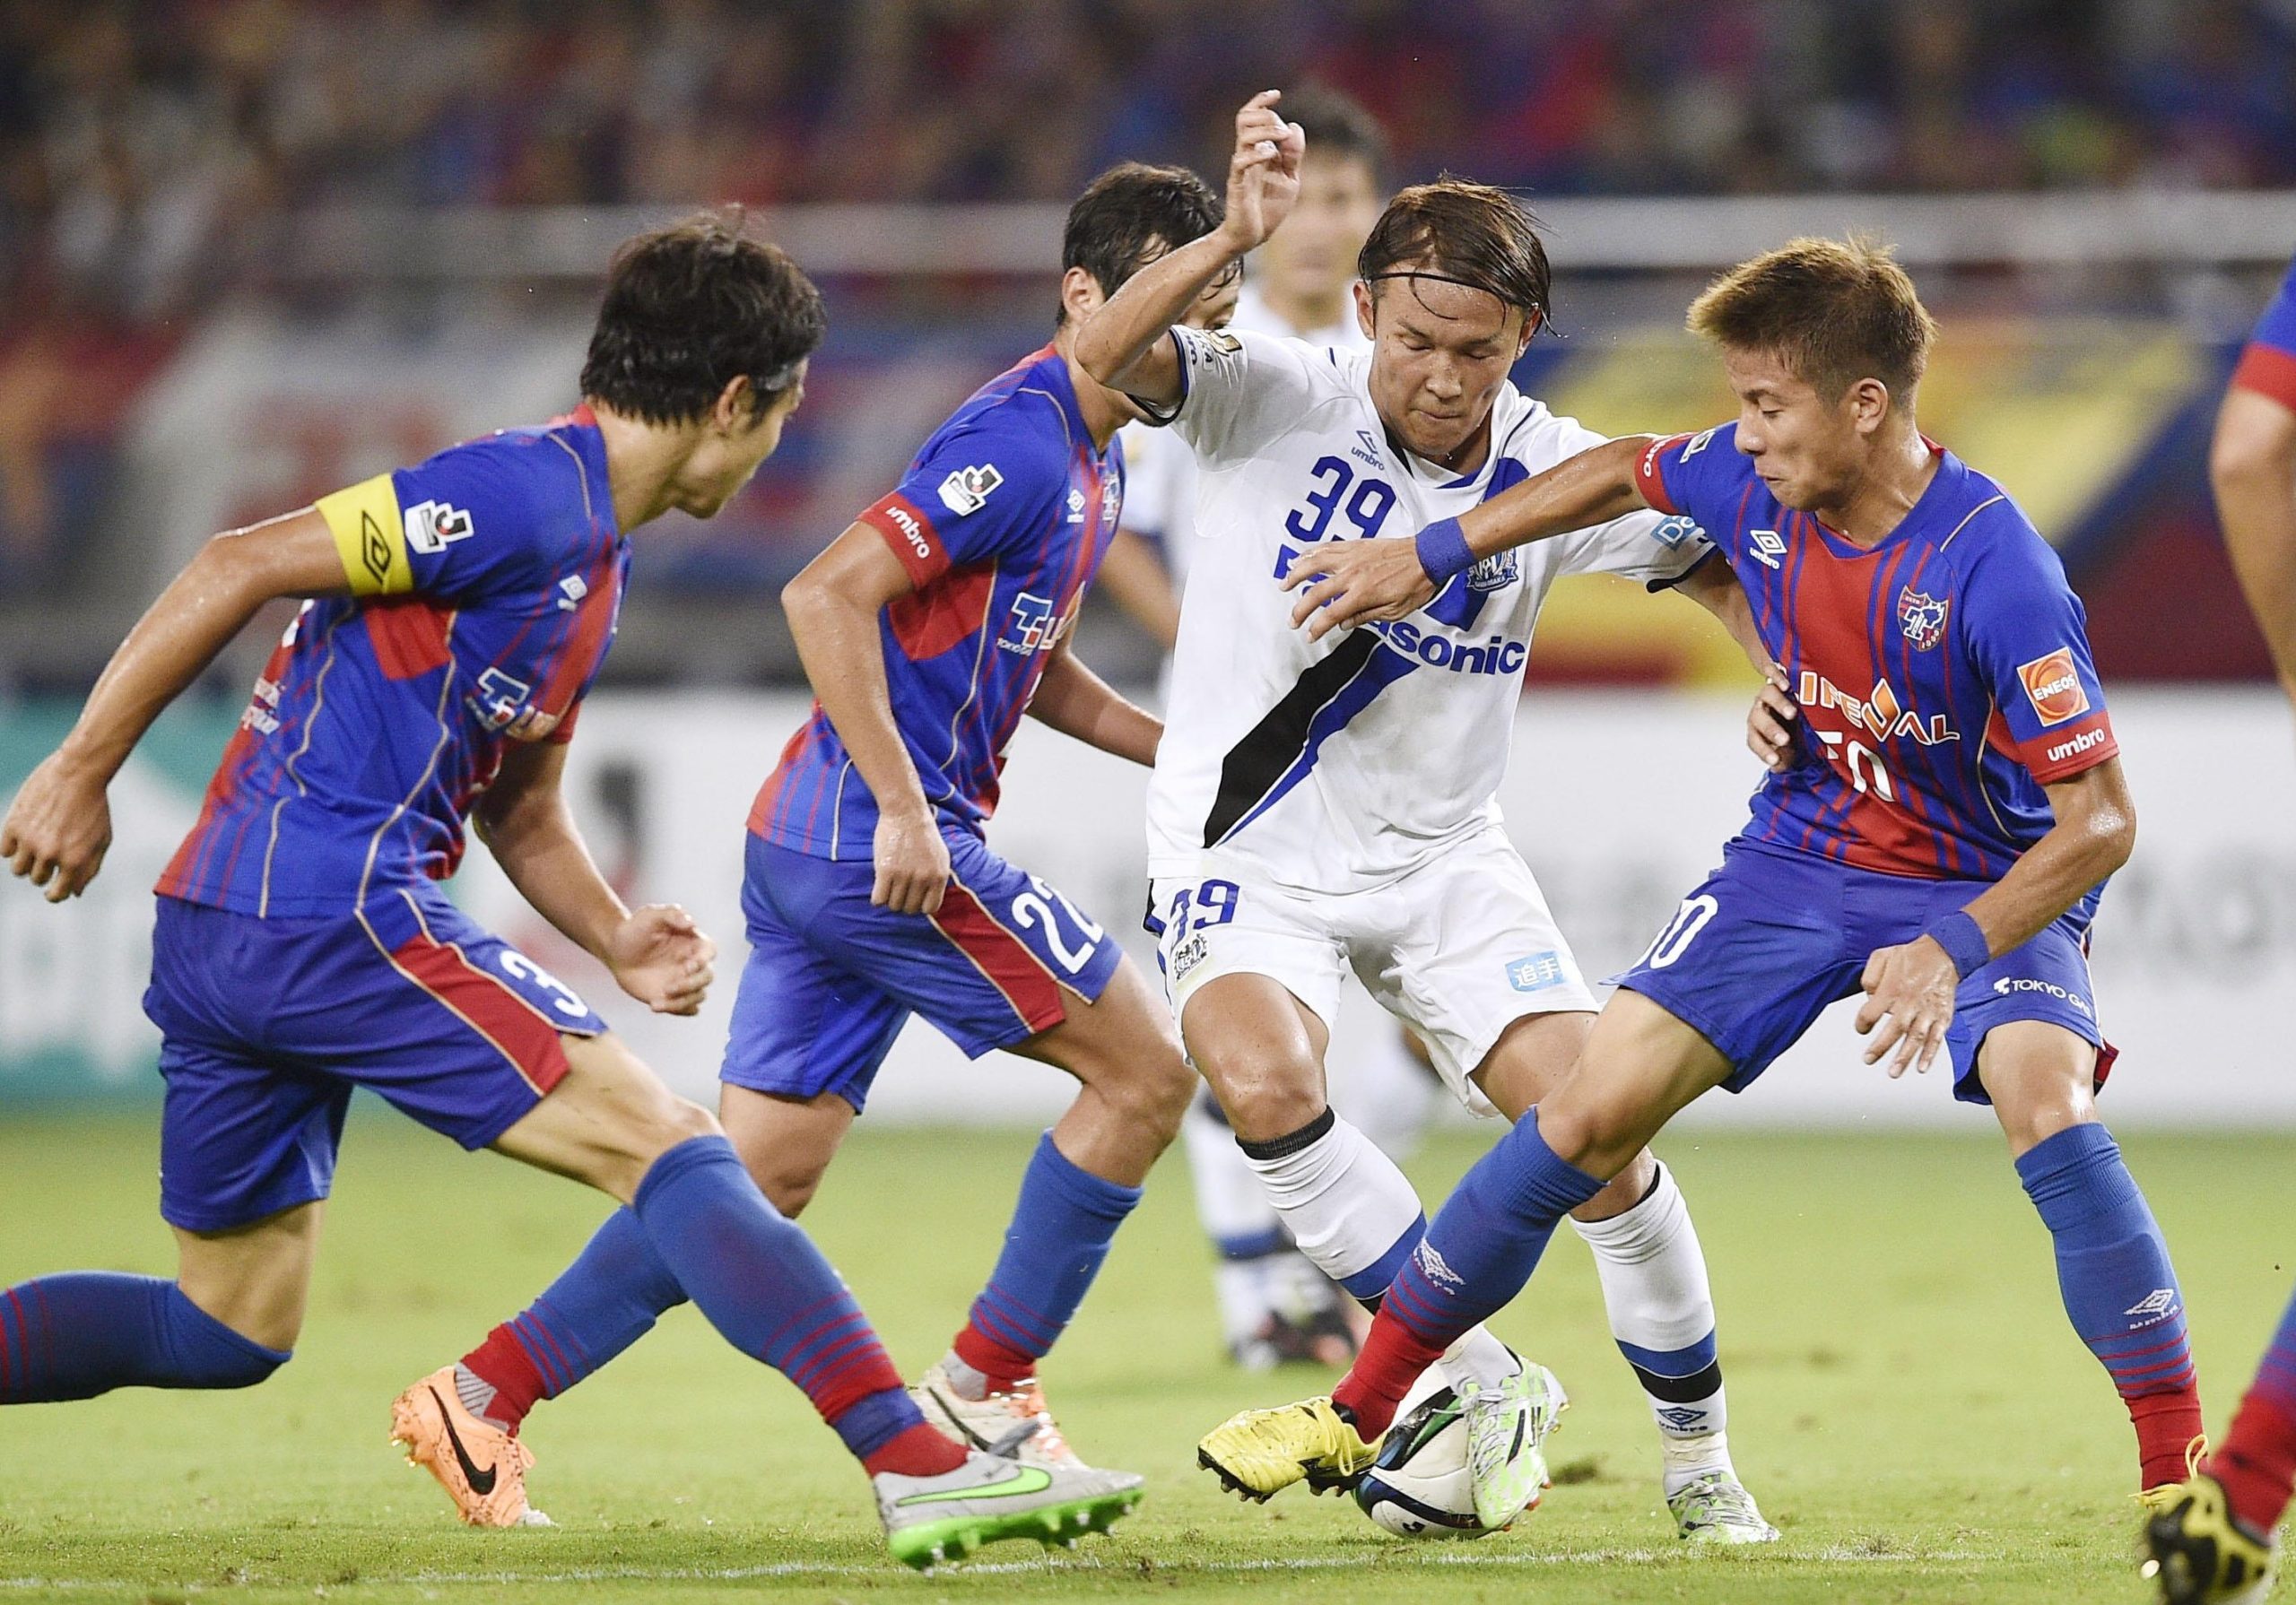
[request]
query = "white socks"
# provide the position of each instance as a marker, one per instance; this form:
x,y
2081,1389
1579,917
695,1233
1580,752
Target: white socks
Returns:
x,y
1662,1315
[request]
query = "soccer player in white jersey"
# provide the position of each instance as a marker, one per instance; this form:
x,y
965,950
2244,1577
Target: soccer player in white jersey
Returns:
x,y
1322,807
1275,1304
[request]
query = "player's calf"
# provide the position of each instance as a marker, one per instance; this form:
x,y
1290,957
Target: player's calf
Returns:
x,y
85,1332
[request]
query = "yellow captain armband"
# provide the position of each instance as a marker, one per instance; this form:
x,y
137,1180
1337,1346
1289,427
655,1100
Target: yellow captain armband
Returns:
x,y
371,535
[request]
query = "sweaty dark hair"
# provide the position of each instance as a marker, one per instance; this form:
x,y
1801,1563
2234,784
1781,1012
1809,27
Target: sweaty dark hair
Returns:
x,y
692,307
1129,216
1336,124
1467,233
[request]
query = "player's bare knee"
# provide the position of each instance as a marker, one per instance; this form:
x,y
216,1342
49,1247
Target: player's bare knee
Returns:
x,y
2041,1080
1264,1102
1623,1191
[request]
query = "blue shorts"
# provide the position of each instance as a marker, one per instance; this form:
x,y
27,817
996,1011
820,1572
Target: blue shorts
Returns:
x,y
831,978
1758,951
267,1025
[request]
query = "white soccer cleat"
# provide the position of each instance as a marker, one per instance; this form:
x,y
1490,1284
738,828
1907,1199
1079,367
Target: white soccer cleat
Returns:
x,y
931,1521
1714,1507
1011,1425
1506,1425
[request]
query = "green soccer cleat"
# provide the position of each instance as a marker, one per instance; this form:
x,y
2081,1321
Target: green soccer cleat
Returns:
x,y
1506,1425
1715,1508
2200,1555
930,1520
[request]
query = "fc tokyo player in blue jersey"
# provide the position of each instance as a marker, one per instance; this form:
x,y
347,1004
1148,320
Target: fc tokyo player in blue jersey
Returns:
x,y
1940,843
2214,1545
455,615
928,628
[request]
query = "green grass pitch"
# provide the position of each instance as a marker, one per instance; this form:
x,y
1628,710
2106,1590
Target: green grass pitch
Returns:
x,y
1906,1398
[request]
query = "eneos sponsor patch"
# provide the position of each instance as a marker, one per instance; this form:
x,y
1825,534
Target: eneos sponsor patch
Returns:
x,y
2053,686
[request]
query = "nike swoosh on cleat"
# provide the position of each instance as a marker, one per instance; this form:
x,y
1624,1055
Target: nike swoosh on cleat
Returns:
x,y
958,1421
1024,1480
482,1482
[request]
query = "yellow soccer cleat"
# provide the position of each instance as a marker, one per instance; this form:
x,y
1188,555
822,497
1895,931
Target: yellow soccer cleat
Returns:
x,y
2201,1555
1259,1453
481,1467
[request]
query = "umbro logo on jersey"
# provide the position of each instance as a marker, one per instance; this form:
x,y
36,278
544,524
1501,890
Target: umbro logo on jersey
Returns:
x,y
1768,548
966,490
432,526
2159,1302
1076,505
1366,449
1699,443
571,592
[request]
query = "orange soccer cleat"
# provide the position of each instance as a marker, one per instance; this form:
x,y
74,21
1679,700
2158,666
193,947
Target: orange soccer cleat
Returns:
x,y
481,1467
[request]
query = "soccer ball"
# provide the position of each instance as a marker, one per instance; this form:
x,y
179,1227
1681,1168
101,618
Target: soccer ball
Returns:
x,y
1419,1486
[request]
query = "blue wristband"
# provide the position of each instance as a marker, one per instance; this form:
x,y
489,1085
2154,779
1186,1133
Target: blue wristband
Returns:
x,y
1443,550
1964,941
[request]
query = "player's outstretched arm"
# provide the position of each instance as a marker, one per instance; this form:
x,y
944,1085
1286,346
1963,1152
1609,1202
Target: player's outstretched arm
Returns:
x,y
1077,702
2252,465
1358,582
1910,989
832,606
655,953
1122,345
58,827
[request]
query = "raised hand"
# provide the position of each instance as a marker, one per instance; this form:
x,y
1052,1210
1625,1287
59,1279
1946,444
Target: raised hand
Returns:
x,y
661,959
1264,173
58,828
1357,582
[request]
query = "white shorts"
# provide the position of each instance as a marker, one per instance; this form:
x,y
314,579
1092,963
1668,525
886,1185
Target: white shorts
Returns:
x,y
1458,949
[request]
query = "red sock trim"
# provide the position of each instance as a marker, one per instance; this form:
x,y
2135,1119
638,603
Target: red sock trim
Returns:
x,y
1392,1358
916,1451
1004,1365
503,1363
2257,1463
2166,1424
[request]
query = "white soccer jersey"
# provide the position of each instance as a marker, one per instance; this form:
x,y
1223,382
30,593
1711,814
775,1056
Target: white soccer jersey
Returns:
x,y
1338,766
1158,468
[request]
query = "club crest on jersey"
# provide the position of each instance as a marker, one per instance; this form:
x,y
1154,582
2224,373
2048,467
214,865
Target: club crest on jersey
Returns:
x,y
1922,617
966,490
1494,573
2053,686
1111,500
1768,548
432,526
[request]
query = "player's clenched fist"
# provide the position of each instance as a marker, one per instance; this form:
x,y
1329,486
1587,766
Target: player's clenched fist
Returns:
x,y
661,959
57,830
1263,174
912,863
1909,996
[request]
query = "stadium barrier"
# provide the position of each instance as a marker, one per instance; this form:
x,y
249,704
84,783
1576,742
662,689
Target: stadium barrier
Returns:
x,y
1619,799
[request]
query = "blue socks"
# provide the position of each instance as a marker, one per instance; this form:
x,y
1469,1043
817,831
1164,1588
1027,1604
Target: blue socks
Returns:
x,y
85,1332
1060,1234
2120,1291
765,1286
1482,1247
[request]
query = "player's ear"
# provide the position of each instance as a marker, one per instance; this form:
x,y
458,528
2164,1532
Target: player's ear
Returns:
x,y
1363,318
1531,326
1081,295
1869,404
735,412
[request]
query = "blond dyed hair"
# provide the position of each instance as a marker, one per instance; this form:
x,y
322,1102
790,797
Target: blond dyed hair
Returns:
x,y
1833,311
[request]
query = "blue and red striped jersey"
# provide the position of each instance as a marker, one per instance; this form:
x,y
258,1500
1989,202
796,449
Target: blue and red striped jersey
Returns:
x,y
1000,520
484,585
2268,365
1943,674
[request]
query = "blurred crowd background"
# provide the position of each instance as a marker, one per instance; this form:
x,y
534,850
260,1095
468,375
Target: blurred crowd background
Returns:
x,y
156,157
